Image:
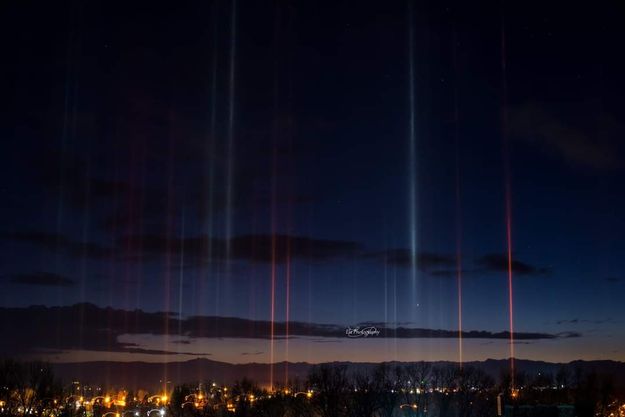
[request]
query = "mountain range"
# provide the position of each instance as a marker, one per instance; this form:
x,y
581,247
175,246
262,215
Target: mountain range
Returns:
x,y
148,375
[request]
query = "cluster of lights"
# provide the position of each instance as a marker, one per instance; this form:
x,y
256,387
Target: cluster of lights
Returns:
x,y
197,400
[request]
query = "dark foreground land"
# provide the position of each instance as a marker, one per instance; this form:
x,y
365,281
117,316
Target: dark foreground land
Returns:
x,y
580,389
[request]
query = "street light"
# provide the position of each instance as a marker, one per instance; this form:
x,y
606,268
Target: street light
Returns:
x,y
194,396
159,398
514,394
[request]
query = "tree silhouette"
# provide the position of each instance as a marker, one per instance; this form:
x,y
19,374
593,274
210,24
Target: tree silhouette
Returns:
x,y
330,384
27,387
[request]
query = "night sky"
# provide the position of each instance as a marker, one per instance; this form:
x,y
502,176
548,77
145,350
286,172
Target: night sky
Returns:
x,y
174,157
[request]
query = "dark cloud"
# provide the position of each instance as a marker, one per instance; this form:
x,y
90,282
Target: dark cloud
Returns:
x,y
60,243
596,144
134,348
497,262
136,202
107,189
385,324
251,353
261,248
584,321
447,273
566,335
88,327
42,278
613,279
491,263
403,257
472,334
81,191
443,265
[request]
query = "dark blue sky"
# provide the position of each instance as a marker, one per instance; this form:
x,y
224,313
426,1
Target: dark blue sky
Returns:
x,y
120,173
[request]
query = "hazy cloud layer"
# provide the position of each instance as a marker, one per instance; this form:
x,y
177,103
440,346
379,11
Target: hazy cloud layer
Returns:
x,y
42,278
88,327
